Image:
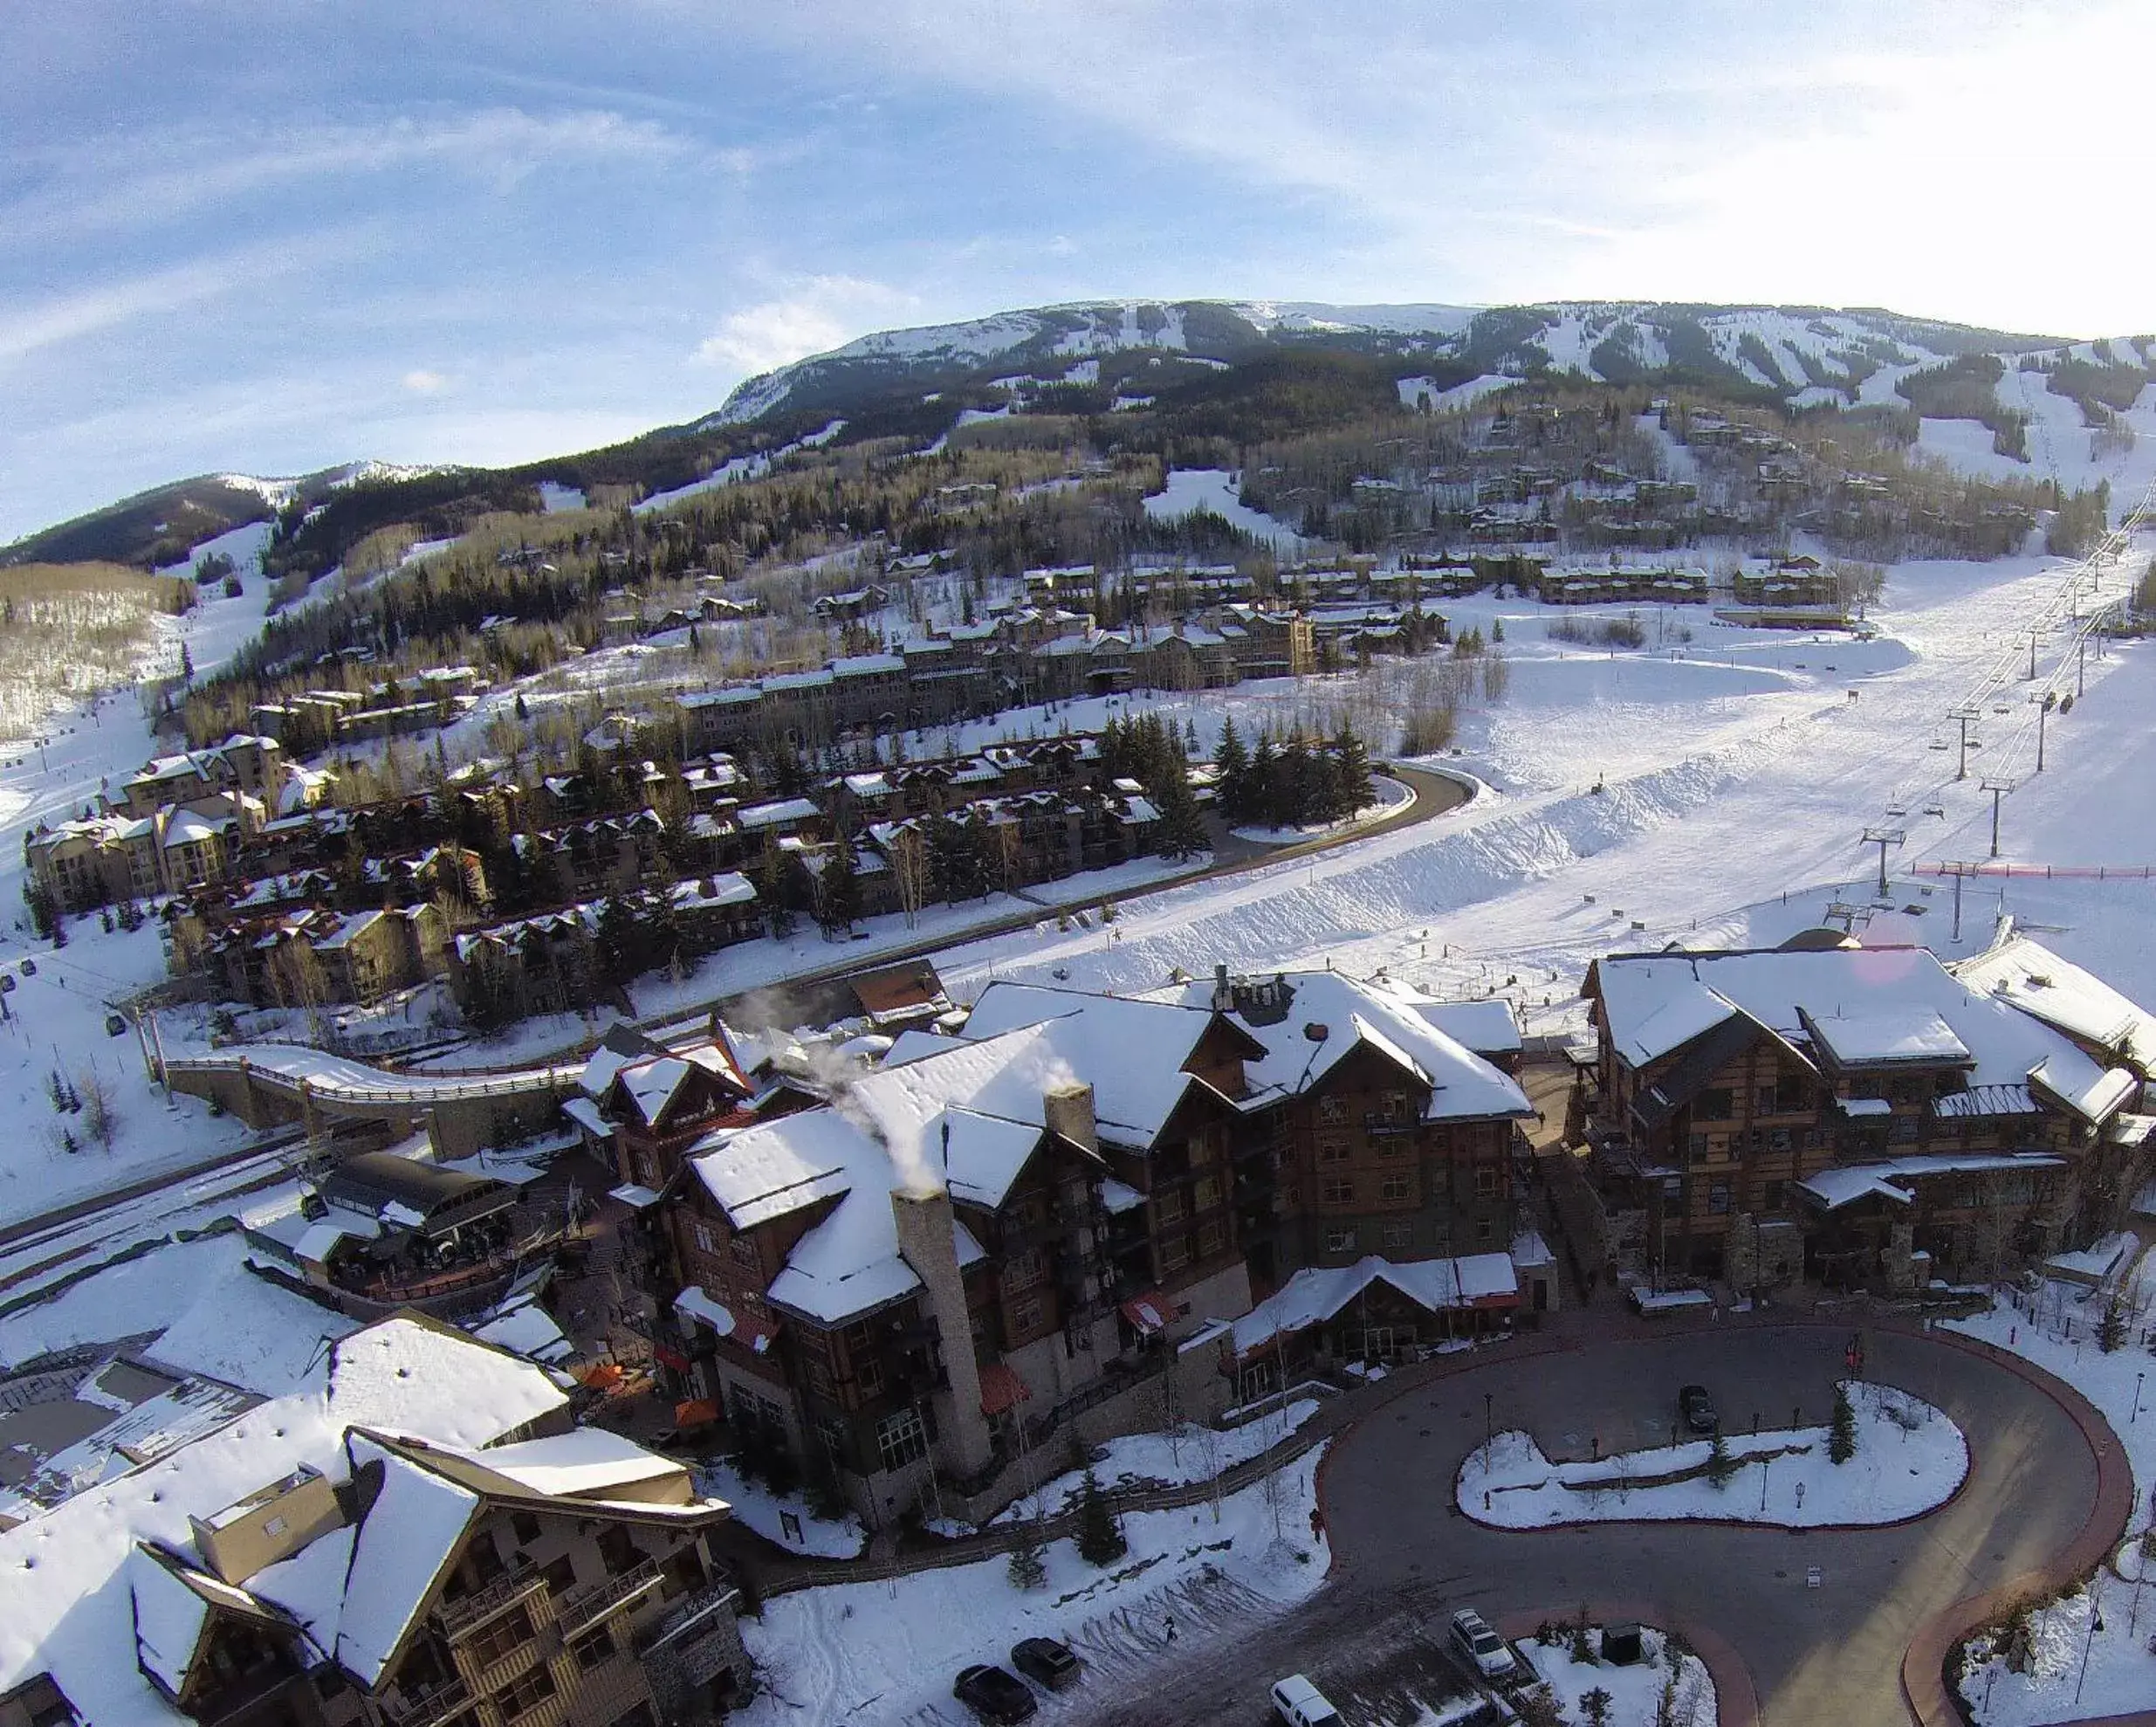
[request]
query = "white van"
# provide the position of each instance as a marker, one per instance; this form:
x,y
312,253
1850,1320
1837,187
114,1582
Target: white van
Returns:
x,y
1300,1703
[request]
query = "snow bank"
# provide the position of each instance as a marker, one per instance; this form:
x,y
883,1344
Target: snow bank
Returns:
x,y
1910,1459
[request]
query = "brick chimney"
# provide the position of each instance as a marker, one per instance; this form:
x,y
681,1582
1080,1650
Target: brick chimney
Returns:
x,y
928,1241
1067,1110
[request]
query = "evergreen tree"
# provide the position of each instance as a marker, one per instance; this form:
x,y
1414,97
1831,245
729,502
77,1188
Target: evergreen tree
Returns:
x,y
2110,1329
1842,1434
775,891
1497,635
1028,1567
621,941
840,897
1719,1464
1292,784
1234,761
1260,782
1181,829
1595,1706
1351,766
1100,1542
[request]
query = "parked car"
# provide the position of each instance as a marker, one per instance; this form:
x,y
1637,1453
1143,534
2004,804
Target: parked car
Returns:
x,y
1481,1648
994,1695
1297,1703
1046,1663
1698,1409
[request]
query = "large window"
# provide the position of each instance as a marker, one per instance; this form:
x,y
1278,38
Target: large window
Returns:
x,y
526,1693
1340,1241
1336,1190
1393,1187
899,1438
1487,1183
512,1631
1715,1105
1398,1235
1023,1270
1332,1148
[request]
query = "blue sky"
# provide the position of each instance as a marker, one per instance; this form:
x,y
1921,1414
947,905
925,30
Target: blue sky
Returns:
x,y
270,236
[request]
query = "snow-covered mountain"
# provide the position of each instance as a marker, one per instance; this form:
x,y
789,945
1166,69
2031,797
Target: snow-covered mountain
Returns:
x,y
1789,352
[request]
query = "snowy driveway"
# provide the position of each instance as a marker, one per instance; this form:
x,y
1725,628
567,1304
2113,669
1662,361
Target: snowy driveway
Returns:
x,y
1833,1652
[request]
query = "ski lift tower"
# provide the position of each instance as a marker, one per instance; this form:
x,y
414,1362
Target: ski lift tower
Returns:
x,y
1998,789
1967,716
1882,837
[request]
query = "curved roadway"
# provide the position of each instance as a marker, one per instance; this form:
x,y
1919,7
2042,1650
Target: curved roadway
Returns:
x,y
1403,1555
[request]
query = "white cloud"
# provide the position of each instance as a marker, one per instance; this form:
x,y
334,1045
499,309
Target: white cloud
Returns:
x,y
821,313
150,176
421,382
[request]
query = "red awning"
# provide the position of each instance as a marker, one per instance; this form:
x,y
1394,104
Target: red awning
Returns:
x,y
1150,1312
1001,1388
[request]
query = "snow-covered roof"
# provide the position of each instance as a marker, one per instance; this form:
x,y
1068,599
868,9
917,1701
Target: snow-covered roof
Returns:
x,y
411,1532
1485,1027
2061,994
1131,1051
1910,1033
1316,1293
525,1328
1653,1004
885,1134
1390,1017
583,1464
66,1603
1846,1183
781,814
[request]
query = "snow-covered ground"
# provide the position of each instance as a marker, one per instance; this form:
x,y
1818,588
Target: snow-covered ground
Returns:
x,y
1636,1689
1734,769
783,1518
1910,1457
883,1651
1188,1453
1215,489
2057,1330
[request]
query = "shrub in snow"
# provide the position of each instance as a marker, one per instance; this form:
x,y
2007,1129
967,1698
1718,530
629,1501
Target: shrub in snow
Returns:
x,y
1100,1542
1028,1569
1596,1705
1842,1434
1582,1648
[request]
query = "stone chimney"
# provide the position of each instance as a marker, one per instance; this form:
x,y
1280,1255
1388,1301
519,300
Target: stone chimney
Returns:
x,y
1223,990
928,1241
1067,1110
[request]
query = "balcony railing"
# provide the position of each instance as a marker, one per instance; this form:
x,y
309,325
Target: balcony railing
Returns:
x,y
436,1702
581,1609
458,1616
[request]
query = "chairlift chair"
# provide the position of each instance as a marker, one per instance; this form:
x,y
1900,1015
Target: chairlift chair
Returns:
x,y
1940,744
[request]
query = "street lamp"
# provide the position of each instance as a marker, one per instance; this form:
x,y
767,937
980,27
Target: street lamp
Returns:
x,y
2136,1415
1763,1462
1489,1431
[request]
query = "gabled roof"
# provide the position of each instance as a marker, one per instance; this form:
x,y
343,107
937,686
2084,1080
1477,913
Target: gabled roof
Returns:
x,y
1876,998
173,1600
2061,994
1328,1015
1133,1051
961,1121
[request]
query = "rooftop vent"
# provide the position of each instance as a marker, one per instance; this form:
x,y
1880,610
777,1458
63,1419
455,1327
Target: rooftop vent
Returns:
x,y
1316,1033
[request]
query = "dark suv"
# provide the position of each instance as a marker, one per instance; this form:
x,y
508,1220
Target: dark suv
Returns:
x,y
994,1695
1698,1409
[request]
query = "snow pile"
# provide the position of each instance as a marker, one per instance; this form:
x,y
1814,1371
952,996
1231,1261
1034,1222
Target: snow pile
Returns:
x,y
1910,1459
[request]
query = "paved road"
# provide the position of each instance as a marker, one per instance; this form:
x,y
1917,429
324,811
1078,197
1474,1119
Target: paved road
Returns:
x,y
1405,1557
